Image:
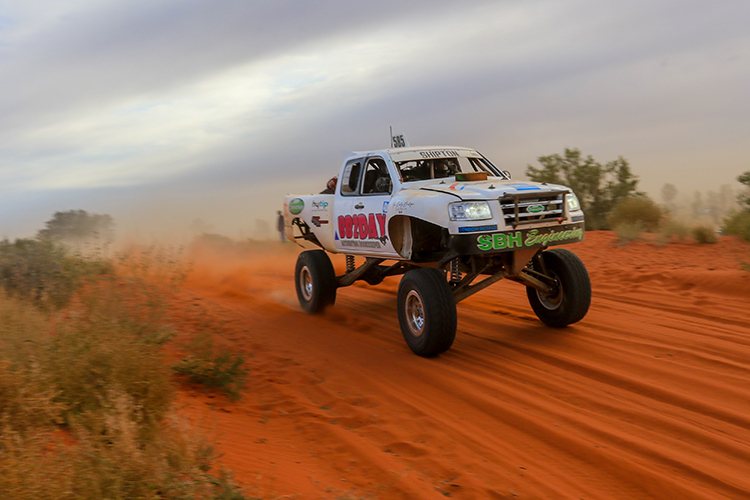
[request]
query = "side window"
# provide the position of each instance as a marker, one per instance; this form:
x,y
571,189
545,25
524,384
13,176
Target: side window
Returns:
x,y
377,180
350,181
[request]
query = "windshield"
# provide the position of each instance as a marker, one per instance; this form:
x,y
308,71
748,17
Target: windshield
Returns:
x,y
440,168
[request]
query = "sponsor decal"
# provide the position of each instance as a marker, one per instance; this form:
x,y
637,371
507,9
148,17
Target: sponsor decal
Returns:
x,y
457,187
535,209
476,229
319,206
534,237
296,206
443,153
522,186
360,244
362,228
402,205
317,221
385,206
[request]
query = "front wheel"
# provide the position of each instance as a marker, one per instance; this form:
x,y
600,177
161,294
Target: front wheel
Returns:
x,y
570,297
315,281
426,312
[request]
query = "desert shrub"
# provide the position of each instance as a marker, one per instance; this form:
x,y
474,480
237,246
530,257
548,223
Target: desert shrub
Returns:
x,y
627,233
109,460
738,223
26,400
704,234
26,396
674,228
85,403
90,358
214,367
21,328
43,271
639,210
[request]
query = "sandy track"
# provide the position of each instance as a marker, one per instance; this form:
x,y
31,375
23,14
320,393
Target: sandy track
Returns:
x,y
647,397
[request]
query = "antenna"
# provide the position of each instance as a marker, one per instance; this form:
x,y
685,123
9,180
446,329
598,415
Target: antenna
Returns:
x,y
391,127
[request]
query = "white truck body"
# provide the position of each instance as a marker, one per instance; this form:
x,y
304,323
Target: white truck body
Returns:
x,y
453,223
359,220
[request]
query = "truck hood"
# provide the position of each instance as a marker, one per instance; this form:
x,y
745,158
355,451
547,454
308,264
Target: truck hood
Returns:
x,y
492,188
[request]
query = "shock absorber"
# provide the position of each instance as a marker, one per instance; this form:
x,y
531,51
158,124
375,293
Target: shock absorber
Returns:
x,y
455,270
350,263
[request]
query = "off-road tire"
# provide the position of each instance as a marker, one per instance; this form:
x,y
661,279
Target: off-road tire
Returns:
x,y
571,301
315,281
426,312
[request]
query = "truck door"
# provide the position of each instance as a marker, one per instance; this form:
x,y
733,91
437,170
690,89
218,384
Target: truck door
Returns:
x,y
347,193
361,223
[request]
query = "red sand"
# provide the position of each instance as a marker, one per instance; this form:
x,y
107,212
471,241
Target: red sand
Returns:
x,y
647,397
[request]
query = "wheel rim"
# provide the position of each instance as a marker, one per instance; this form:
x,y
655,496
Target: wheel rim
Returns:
x,y
414,313
552,300
305,283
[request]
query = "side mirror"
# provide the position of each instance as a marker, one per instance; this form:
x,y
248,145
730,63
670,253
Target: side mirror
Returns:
x,y
506,173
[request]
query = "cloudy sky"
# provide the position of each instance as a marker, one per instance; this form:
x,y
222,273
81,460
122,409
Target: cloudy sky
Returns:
x,y
163,112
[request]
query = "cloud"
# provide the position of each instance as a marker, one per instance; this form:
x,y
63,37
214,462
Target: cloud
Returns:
x,y
142,99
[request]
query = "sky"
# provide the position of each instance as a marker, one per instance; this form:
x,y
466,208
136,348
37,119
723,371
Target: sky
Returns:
x,y
175,115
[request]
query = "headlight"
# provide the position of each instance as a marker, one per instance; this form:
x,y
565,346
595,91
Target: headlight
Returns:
x,y
470,210
573,204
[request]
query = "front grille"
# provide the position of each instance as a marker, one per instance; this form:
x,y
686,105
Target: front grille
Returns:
x,y
533,208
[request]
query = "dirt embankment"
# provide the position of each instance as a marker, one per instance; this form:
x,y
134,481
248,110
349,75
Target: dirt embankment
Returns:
x,y
647,397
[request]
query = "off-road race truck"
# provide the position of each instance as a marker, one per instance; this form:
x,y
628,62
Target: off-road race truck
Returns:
x,y
441,217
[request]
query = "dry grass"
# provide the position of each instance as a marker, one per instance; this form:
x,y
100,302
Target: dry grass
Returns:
x,y
85,397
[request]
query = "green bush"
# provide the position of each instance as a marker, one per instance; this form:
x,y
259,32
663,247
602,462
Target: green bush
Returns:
x,y
705,235
636,210
213,367
43,271
738,223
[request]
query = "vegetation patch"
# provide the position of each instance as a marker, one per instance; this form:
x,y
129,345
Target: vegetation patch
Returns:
x,y
599,187
214,367
85,394
628,233
738,223
639,210
45,272
705,235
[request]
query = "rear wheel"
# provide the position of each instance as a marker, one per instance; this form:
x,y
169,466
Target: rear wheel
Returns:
x,y
315,281
570,297
426,312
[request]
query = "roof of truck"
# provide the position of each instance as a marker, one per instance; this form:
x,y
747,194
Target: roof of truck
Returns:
x,y
426,152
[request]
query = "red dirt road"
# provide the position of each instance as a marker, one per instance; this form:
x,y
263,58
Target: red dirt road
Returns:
x,y
647,397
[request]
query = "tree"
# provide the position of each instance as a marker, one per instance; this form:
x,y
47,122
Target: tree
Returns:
x,y
598,187
744,198
78,227
739,222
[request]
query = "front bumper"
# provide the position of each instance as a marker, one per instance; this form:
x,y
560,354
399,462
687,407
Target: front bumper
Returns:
x,y
519,239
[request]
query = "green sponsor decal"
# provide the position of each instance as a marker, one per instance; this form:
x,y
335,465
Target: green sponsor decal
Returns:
x,y
296,206
499,241
535,209
515,240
